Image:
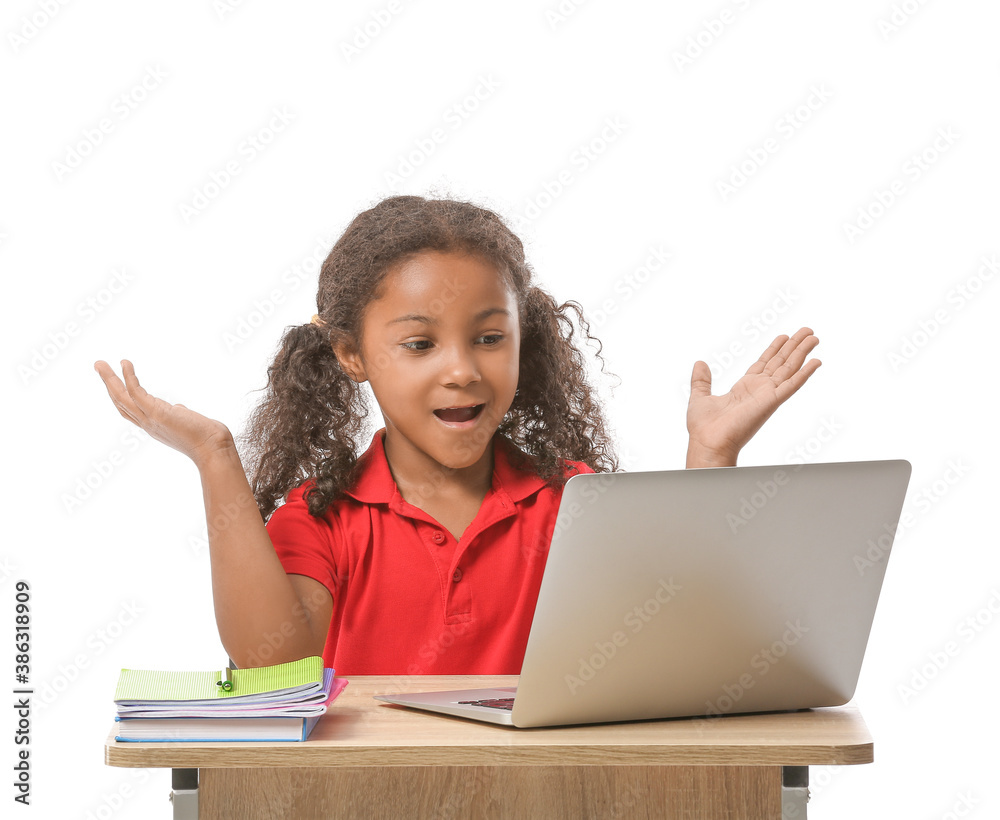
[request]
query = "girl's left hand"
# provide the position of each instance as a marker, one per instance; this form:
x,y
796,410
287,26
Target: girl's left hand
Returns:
x,y
719,426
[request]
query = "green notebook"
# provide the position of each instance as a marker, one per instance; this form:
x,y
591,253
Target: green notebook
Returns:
x,y
260,684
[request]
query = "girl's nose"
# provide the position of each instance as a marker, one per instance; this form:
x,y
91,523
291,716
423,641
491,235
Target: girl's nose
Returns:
x,y
459,368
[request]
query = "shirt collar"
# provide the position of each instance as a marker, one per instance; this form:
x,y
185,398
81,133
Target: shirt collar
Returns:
x,y
375,484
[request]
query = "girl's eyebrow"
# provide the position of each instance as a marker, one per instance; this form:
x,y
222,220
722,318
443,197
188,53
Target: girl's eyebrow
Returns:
x,y
427,320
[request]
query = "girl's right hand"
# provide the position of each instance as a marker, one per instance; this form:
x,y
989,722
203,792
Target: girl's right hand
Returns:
x,y
191,433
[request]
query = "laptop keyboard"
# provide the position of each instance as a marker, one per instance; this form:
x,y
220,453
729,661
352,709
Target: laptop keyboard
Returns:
x,y
492,703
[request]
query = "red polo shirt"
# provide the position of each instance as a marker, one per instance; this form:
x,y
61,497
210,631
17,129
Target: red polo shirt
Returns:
x,y
407,597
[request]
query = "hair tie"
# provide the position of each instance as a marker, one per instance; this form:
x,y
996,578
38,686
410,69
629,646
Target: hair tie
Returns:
x,y
317,321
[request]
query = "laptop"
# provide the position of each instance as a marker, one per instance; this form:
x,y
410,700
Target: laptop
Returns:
x,y
700,592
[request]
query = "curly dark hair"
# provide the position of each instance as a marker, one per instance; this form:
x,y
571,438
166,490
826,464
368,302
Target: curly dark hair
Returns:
x,y
307,425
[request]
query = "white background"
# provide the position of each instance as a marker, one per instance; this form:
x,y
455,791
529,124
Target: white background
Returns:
x,y
119,569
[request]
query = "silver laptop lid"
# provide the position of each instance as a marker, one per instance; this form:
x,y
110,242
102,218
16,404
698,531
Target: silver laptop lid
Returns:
x,y
728,590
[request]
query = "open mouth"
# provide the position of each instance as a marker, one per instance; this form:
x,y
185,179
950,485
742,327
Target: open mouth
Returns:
x,y
457,415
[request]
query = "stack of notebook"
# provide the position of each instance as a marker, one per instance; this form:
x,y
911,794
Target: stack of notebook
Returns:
x,y
282,702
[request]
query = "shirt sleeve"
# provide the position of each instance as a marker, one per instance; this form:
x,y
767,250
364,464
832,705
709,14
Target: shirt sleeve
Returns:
x,y
304,543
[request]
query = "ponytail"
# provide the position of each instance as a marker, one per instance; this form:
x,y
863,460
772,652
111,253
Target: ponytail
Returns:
x,y
307,424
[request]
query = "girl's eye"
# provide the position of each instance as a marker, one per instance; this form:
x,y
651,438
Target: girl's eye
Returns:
x,y
420,345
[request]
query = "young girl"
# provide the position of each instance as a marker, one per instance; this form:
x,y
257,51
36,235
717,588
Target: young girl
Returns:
x,y
424,554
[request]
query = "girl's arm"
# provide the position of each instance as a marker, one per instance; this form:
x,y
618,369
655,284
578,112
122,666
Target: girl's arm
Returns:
x,y
719,426
262,613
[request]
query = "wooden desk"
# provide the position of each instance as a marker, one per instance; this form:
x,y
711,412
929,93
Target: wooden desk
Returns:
x,y
367,759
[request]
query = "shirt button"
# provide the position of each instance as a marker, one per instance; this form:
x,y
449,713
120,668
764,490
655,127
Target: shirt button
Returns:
x,y
457,576
437,537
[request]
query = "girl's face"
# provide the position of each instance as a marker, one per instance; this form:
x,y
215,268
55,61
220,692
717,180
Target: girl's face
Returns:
x,y
440,348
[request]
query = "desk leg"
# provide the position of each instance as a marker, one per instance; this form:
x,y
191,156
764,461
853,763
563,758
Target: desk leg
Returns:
x,y
184,793
794,792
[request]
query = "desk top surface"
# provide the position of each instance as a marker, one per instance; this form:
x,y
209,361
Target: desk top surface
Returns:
x,y
360,731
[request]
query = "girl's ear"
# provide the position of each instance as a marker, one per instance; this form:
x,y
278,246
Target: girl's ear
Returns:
x,y
350,361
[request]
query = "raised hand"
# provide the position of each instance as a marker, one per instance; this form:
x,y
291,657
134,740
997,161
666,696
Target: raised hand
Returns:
x,y
719,426
191,433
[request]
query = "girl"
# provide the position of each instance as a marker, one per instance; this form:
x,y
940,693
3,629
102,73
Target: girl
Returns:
x,y
424,554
